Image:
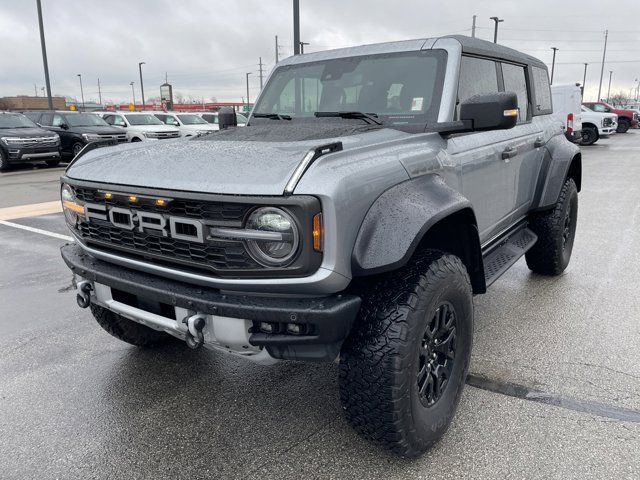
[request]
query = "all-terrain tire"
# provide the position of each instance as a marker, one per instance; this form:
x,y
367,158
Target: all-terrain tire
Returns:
x,y
127,330
4,163
76,149
590,135
556,230
623,125
380,363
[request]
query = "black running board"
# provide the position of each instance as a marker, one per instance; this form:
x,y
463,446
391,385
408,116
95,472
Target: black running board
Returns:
x,y
499,258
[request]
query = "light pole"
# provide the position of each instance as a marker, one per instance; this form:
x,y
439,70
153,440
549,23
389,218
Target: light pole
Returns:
x,y
141,84
43,46
81,91
609,90
248,102
296,27
553,62
495,30
584,79
133,94
302,44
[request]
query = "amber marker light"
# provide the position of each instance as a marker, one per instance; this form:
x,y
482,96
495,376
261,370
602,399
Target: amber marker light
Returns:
x,y
74,207
108,195
318,232
133,198
161,202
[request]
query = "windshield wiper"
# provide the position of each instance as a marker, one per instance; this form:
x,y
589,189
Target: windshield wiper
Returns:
x,y
367,117
272,116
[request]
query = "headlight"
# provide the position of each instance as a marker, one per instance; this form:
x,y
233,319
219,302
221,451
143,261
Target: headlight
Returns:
x,y
91,137
70,206
11,141
56,138
283,248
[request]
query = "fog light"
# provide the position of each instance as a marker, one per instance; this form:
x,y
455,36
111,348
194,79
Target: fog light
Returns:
x,y
293,328
266,327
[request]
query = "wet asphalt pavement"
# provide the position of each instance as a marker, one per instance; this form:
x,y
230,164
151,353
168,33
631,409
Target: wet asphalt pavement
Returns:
x,y
556,369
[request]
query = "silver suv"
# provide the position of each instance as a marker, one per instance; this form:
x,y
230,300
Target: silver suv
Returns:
x,y
373,193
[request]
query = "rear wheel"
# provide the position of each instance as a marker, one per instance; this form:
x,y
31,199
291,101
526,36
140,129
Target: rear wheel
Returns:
x,y
127,330
556,230
404,365
589,135
623,125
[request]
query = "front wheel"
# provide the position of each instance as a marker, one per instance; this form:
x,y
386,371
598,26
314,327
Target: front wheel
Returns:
x,y
4,163
623,126
403,367
76,148
556,231
589,135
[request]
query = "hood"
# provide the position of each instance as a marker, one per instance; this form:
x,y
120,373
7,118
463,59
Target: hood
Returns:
x,y
255,160
154,128
98,130
25,132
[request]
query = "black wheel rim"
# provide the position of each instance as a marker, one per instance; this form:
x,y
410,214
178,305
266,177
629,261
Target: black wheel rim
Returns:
x,y
76,149
436,355
567,230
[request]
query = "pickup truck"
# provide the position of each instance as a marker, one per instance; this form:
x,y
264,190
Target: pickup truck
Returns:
x,y
596,125
373,193
626,118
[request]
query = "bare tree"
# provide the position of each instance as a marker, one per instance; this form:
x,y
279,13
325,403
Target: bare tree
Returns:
x,y
619,98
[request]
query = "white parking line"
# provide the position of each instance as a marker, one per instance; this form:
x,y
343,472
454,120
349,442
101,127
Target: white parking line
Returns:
x,y
36,230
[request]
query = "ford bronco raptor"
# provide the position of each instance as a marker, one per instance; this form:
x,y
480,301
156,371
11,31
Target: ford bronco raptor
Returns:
x,y
373,193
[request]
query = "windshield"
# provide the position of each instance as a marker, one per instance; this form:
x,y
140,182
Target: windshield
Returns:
x,y
85,120
191,119
240,118
8,120
399,87
143,120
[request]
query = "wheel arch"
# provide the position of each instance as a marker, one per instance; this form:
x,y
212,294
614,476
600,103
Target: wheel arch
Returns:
x,y
561,159
422,213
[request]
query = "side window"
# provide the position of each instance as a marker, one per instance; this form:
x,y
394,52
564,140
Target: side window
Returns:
x,y
58,120
600,108
46,119
515,81
478,76
542,90
162,118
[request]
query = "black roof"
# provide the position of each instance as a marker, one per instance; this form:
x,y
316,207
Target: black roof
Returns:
x,y
475,46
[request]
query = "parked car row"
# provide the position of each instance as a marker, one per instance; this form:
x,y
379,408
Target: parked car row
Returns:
x,y
586,122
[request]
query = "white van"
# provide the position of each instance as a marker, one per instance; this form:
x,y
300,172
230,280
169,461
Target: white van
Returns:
x,y
567,103
140,126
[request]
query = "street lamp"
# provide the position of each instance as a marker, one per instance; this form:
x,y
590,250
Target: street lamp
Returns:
x,y
133,94
141,84
45,63
495,30
302,44
248,103
81,91
553,63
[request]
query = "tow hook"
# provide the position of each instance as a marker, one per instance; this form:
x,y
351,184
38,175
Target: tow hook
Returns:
x,y
84,294
195,324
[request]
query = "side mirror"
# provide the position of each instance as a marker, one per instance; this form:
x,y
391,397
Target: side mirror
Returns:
x,y
496,111
227,118
64,126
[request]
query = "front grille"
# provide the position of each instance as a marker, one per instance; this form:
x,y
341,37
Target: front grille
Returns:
x,y
40,142
163,135
219,256
121,137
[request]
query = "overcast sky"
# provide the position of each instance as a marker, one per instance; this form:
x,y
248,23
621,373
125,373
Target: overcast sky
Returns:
x,y
207,46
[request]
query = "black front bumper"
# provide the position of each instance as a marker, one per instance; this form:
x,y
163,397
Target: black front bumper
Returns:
x,y
32,154
327,320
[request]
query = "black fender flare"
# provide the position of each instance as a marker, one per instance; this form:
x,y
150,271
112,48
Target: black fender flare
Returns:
x,y
561,158
399,219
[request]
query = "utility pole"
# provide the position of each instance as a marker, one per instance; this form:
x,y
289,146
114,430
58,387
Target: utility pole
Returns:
x,y
277,55
609,90
81,91
133,94
553,62
141,83
260,65
584,79
44,56
99,93
495,30
35,89
473,27
247,74
604,56
296,27
302,44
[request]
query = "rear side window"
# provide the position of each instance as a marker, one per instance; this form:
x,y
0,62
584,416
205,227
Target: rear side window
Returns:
x,y
515,81
46,119
542,91
478,76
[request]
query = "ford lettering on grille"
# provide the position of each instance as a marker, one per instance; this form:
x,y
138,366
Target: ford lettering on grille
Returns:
x,y
179,228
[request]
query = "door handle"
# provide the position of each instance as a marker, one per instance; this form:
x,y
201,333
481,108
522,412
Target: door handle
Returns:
x,y
539,142
509,153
